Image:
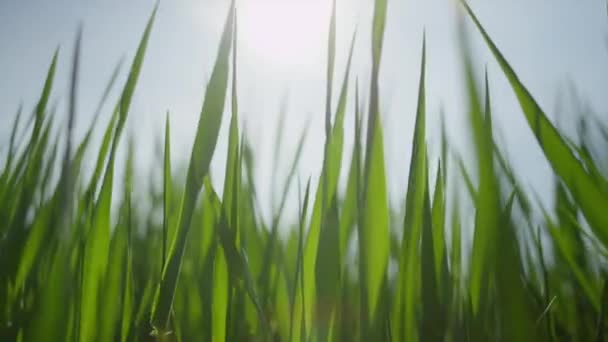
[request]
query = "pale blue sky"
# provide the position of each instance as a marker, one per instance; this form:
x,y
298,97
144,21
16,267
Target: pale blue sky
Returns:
x,y
548,42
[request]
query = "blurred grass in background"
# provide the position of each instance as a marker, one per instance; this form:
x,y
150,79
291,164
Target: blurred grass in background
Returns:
x,y
349,269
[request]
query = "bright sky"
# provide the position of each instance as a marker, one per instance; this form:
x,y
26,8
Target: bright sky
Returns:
x,y
282,53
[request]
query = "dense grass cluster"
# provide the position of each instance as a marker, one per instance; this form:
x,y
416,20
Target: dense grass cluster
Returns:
x,y
212,269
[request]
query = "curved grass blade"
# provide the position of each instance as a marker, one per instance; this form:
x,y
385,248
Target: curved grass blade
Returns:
x,y
591,199
202,152
98,240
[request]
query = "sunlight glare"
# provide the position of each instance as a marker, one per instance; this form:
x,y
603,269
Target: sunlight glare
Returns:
x,y
284,34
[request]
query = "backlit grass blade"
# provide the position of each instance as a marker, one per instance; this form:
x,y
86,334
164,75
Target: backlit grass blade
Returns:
x,y
329,263
438,218
567,243
61,199
486,199
270,249
104,149
23,200
30,159
348,217
592,200
229,219
166,190
496,265
374,235
336,139
220,296
517,311
11,145
202,152
98,239
432,319
405,326
297,325
49,321
331,61
111,305
44,98
96,255
456,251
127,315
467,179
323,201
232,172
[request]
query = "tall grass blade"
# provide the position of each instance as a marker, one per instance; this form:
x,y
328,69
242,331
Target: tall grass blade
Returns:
x,y
202,152
166,191
557,152
98,239
409,264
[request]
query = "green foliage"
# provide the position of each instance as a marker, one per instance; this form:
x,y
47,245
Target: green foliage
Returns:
x,y
212,269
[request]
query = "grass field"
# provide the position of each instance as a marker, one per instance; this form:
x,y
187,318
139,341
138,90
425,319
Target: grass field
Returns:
x,y
212,269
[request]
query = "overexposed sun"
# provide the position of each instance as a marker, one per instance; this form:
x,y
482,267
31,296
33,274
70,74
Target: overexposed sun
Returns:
x,y
284,34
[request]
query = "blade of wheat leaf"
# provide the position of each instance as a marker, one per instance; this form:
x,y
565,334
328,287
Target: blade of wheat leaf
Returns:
x,y
28,158
592,200
202,152
166,191
44,97
102,154
406,322
328,263
297,328
128,302
375,234
486,199
321,202
438,218
229,221
98,239
11,147
331,61
269,250
431,320
350,207
220,296
60,198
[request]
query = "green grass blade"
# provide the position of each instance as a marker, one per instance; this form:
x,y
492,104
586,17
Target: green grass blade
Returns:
x,y
409,268
166,190
98,239
592,200
486,200
438,218
202,152
127,317
220,296
374,237
44,97
329,264
298,323
331,61
11,145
